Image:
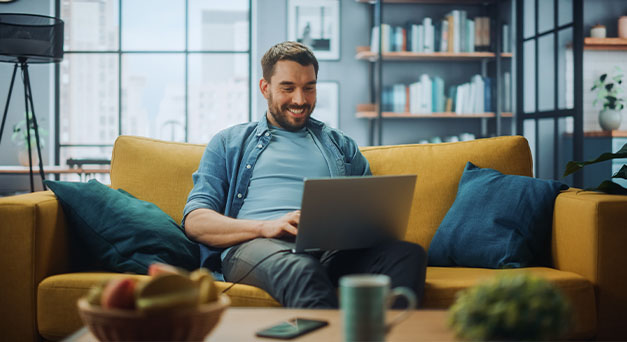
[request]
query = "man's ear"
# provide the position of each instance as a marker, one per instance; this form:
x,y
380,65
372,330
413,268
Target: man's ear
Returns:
x,y
264,87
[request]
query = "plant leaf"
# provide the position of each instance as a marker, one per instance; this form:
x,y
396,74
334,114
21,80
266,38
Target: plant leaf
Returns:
x,y
622,173
574,166
602,78
610,187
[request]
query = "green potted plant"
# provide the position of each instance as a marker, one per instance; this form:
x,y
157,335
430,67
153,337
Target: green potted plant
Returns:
x,y
607,186
610,94
20,138
517,307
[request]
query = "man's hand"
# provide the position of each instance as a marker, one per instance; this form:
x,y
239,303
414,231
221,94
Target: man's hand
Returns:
x,y
284,225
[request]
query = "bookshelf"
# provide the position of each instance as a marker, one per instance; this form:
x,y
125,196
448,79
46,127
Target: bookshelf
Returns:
x,y
484,58
364,53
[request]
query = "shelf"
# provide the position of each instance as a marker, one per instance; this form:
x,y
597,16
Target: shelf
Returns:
x,y
590,43
364,53
446,115
433,2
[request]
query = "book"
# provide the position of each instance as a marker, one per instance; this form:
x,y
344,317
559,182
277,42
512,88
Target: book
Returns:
x,y
470,35
507,92
444,35
506,47
428,34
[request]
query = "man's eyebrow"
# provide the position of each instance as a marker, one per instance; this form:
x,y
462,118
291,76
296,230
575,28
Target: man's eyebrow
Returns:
x,y
292,83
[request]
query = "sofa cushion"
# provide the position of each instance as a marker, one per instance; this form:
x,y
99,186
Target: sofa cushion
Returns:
x,y
443,283
121,233
496,221
57,314
439,167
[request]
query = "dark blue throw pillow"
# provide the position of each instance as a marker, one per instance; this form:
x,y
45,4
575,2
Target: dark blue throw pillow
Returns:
x,y
496,221
119,232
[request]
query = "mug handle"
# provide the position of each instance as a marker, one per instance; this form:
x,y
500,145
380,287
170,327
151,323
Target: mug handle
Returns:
x,y
411,305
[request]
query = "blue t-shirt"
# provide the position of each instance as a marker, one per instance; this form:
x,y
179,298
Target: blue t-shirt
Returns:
x,y
276,185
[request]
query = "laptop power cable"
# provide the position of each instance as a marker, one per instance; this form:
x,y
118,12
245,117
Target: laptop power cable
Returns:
x,y
255,266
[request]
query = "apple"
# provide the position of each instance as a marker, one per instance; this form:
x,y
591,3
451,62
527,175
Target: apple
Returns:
x,y
119,293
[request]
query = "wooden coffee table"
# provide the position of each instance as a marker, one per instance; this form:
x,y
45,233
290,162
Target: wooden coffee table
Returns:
x,y
240,324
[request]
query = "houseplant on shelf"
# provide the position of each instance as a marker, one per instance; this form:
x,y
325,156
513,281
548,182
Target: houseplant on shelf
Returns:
x,y
20,138
611,95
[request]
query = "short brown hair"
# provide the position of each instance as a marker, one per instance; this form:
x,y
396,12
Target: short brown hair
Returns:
x,y
291,51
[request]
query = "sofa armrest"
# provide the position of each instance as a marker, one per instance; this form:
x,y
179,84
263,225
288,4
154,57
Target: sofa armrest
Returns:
x,y
590,239
34,245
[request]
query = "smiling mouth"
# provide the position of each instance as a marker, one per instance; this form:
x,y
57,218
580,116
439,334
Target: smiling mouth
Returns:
x,y
297,111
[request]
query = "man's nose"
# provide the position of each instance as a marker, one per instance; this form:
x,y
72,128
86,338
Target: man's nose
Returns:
x,y
299,97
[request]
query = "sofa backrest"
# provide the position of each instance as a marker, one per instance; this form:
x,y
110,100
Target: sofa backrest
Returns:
x,y
161,172
439,168
156,171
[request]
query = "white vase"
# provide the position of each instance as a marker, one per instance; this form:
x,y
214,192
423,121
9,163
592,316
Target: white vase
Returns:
x,y
610,119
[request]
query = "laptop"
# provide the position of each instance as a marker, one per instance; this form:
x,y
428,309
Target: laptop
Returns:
x,y
353,212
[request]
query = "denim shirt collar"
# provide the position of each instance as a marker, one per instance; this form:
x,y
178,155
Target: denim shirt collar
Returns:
x,y
262,126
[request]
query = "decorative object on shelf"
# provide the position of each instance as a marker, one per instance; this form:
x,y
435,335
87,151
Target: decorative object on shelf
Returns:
x,y
516,307
315,23
24,39
20,137
606,186
327,107
598,31
610,92
622,27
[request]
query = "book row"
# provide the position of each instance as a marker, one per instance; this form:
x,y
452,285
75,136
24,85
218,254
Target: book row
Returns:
x,y
454,33
428,95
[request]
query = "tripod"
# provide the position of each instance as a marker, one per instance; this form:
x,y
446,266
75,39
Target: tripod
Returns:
x,y
28,99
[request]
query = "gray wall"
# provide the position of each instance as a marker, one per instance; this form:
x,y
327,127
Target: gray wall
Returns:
x,y
352,75
41,76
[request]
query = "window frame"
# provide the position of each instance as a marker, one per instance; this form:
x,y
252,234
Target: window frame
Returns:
x,y
186,52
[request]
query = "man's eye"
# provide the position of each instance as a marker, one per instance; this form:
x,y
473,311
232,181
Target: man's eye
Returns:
x,y
288,89
310,89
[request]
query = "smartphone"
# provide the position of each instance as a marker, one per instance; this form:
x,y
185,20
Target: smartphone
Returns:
x,y
291,328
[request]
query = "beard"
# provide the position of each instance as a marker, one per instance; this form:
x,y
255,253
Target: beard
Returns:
x,y
286,120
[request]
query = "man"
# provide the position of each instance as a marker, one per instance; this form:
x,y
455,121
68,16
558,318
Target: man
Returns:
x,y
245,203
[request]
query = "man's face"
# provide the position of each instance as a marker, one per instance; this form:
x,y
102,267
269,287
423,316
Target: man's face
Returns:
x,y
291,94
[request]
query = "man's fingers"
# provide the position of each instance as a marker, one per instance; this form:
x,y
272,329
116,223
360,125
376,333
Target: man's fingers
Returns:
x,y
291,229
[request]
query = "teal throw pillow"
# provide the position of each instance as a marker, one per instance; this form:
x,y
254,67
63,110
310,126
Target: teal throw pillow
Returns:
x,y
119,232
496,221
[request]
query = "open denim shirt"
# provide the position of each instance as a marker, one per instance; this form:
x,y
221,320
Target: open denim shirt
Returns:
x,y
223,176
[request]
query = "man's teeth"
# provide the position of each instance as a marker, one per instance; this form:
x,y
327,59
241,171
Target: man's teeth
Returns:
x,y
296,111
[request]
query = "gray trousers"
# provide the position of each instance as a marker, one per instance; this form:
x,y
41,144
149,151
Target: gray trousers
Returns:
x,y
311,280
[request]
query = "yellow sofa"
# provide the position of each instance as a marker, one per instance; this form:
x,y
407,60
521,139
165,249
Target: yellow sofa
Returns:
x,y
38,290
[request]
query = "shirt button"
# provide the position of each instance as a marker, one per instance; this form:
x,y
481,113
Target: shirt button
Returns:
x,y
248,166
267,134
239,195
260,146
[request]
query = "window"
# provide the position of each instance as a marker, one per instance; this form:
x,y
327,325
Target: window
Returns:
x,y
170,70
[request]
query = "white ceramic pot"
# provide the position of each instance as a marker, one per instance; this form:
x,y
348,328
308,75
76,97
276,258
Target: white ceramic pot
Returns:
x,y
610,119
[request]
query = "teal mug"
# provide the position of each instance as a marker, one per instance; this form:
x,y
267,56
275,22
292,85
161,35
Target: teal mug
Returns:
x,y
364,300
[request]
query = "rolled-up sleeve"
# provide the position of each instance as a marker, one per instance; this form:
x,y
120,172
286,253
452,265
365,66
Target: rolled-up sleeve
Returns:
x,y
359,165
210,180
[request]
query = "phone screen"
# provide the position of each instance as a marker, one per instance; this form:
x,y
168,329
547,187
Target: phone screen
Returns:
x,y
292,328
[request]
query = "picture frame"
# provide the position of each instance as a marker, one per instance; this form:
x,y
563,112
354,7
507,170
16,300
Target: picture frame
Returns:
x,y
315,23
327,103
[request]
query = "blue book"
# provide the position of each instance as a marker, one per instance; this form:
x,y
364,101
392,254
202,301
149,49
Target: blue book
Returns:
x,y
488,95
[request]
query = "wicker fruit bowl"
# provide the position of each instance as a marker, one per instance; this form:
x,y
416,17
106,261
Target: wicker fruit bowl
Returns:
x,y
189,324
